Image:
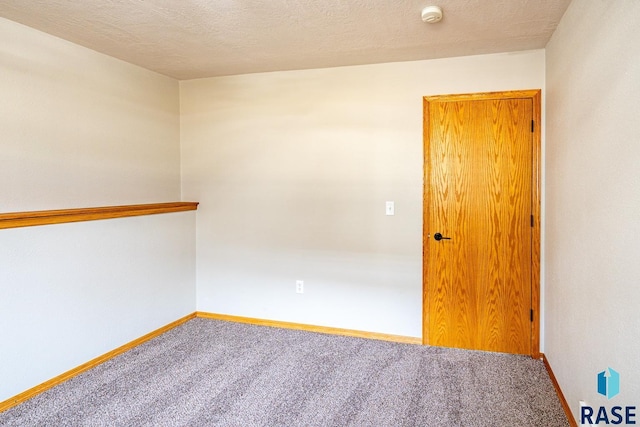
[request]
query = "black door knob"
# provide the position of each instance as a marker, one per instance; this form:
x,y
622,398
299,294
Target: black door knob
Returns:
x,y
439,237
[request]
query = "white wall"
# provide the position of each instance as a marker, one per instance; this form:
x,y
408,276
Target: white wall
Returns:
x,y
72,292
293,169
81,129
593,200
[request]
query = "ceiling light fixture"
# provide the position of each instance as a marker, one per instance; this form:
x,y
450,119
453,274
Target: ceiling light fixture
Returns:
x,y
431,14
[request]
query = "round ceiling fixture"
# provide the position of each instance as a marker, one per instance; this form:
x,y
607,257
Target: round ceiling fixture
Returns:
x,y
431,14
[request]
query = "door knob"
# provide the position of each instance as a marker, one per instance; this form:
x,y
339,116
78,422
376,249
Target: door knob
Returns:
x,y
439,237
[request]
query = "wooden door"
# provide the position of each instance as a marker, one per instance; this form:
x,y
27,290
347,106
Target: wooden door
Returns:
x,y
480,196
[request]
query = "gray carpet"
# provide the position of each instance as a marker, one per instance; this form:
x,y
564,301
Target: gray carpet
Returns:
x,y
212,373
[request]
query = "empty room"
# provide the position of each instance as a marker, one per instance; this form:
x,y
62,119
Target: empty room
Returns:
x,y
319,213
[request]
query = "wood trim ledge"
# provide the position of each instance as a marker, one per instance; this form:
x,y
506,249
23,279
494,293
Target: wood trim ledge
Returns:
x,y
34,218
563,401
311,328
34,391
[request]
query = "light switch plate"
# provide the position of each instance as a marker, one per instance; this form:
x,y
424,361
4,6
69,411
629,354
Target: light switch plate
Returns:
x,y
390,208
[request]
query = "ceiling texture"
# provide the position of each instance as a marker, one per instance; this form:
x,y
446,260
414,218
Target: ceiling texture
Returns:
x,y
188,39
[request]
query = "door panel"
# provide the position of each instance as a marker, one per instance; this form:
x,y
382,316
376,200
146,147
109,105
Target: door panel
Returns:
x,y
479,193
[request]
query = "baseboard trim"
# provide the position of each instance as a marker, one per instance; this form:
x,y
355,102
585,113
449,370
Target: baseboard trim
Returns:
x,y
563,401
311,328
34,391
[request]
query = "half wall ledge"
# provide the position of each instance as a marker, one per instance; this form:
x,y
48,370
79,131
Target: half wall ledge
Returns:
x,y
34,218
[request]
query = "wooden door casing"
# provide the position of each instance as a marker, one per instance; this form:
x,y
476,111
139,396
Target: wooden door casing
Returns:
x,y
480,294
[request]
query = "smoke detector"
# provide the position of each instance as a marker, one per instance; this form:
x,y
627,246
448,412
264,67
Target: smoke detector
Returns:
x,y
431,14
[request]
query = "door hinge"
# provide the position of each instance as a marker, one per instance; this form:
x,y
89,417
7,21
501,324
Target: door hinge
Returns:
x,y
533,125
532,221
531,314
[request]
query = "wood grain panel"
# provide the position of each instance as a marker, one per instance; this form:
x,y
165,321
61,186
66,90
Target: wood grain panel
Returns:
x,y
34,218
504,286
479,181
453,304
483,96
535,244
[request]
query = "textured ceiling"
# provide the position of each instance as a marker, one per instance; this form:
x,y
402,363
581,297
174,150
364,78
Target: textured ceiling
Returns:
x,y
189,39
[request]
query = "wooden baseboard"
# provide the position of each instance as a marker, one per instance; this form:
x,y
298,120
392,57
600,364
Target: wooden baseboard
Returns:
x,y
563,401
311,328
32,392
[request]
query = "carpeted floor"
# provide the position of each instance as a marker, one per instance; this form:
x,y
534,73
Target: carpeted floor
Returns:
x,y
213,373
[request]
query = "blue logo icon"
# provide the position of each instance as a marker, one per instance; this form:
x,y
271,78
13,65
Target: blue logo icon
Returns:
x,y
609,383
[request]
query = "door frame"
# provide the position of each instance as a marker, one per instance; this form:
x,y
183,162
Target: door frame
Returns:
x,y
535,96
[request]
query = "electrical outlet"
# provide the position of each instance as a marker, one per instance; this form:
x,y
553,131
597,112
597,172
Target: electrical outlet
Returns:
x,y
299,286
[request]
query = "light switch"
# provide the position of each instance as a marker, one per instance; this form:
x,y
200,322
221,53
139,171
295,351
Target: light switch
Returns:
x,y
391,209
